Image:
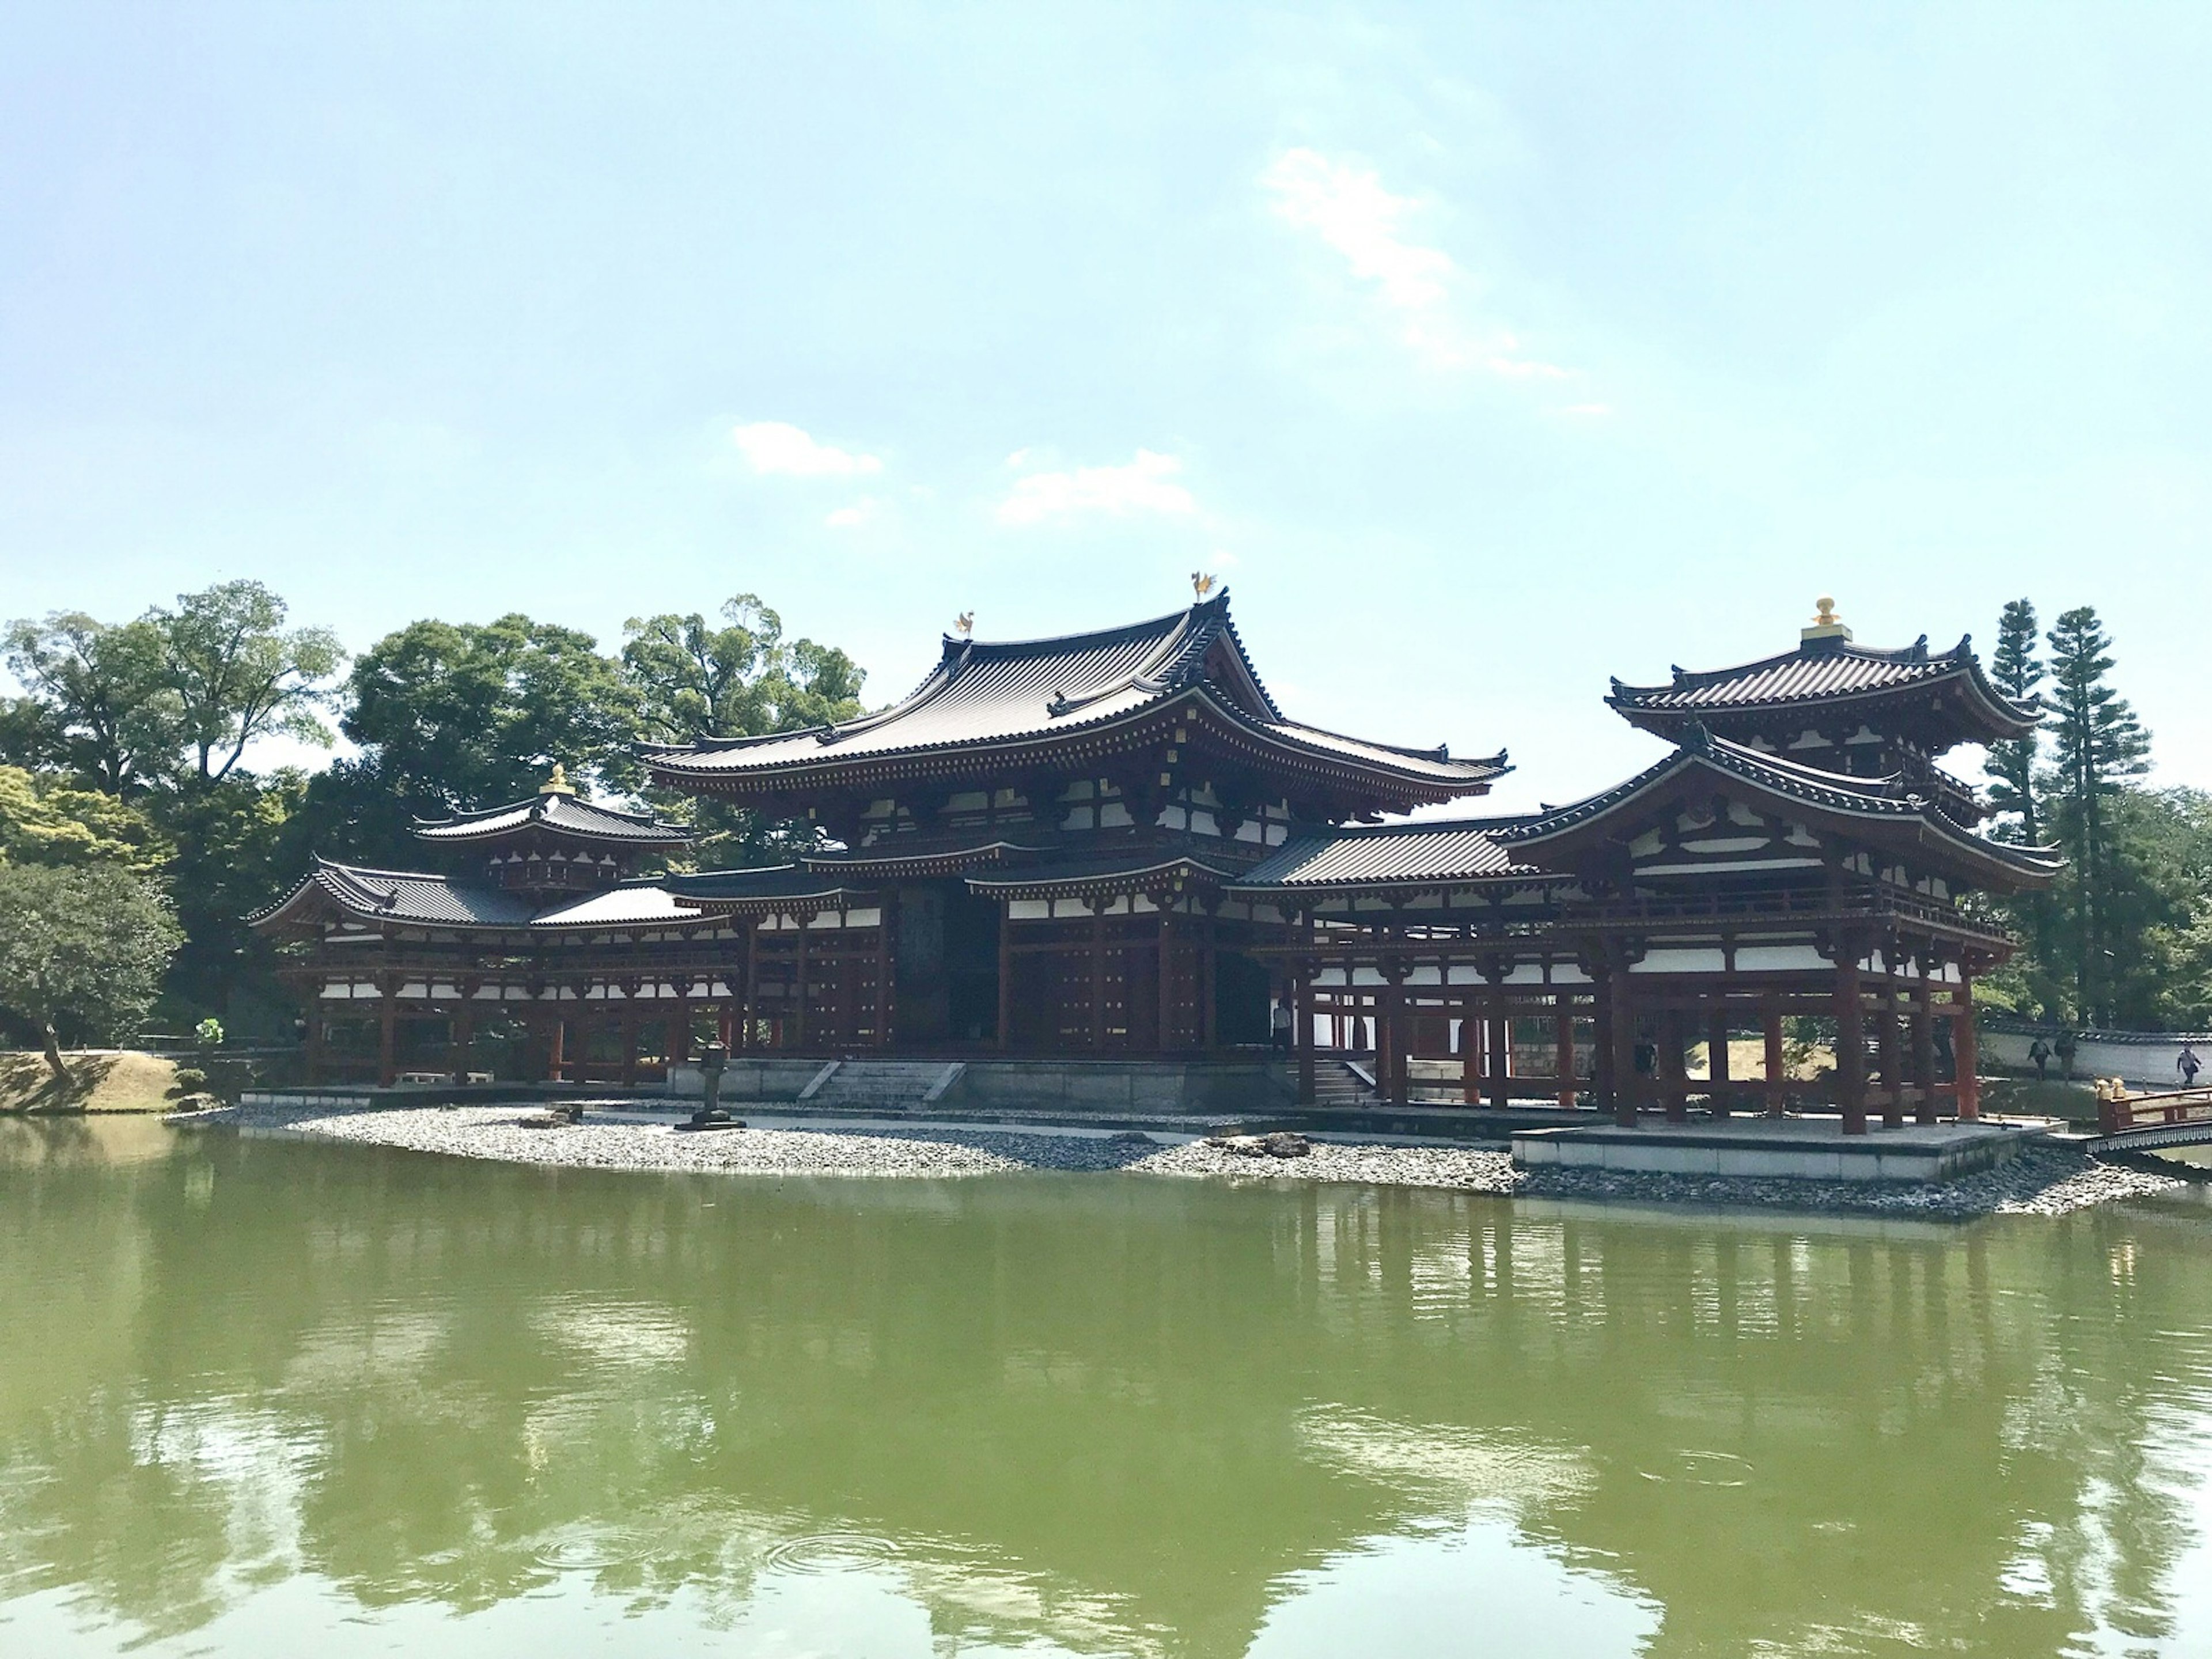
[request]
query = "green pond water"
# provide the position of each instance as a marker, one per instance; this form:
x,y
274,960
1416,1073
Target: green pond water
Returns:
x,y
265,1398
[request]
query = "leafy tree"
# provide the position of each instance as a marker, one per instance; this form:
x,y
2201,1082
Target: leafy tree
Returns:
x,y
462,715
44,820
106,710
2098,746
237,674
694,680
81,950
233,855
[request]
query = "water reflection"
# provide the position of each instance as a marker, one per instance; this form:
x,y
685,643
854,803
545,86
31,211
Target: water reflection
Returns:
x,y
258,1392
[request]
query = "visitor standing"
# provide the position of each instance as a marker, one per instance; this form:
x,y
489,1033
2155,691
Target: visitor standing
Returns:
x,y
2039,1051
2066,1053
1279,1024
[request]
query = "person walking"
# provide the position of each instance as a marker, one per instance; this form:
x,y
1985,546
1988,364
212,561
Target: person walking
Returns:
x,y
2188,1065
2039,1051
2065,1052
1280,1023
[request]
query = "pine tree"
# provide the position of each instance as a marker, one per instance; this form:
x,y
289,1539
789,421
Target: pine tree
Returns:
x,y
2016,671
2096,745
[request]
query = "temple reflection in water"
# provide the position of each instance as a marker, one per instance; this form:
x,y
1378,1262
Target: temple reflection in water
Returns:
x,y
677,1399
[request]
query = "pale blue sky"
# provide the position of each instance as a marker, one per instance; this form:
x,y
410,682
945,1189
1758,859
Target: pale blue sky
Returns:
x,y
1485,352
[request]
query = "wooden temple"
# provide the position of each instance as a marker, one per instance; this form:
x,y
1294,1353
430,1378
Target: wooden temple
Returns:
x,y
1116,845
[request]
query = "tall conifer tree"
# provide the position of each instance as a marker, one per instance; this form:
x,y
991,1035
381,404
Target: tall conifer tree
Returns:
x,y
2096,745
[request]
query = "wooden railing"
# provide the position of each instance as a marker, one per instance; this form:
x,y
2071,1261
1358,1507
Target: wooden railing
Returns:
x,y
2120,1113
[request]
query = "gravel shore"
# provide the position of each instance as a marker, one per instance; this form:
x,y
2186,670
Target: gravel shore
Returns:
x,y
2046,1181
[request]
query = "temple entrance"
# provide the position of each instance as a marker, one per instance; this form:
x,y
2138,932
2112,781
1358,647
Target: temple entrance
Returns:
x,y
947,987
1240,999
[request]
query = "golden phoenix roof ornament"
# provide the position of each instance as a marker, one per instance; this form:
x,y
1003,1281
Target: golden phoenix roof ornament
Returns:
x,y
1201,584
964,623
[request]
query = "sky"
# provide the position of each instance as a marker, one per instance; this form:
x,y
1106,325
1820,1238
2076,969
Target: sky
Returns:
x,y
1484,352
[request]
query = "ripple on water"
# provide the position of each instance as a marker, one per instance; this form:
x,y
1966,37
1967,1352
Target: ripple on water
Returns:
x,y
590,1548
831,1551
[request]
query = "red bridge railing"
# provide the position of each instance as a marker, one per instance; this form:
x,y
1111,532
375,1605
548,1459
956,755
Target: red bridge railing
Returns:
x,y
2118,1111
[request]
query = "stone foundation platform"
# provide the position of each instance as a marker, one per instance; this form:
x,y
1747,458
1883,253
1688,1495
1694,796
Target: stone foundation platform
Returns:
x,y
1807,1149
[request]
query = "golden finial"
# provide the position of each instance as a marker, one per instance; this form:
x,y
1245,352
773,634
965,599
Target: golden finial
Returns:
x,y
1201,584
964,623
558,784
1828,625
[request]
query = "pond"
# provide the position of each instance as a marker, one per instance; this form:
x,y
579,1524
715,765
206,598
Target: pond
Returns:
x,y
262,1397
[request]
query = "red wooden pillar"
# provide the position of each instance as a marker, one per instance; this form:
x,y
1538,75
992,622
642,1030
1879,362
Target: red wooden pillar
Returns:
x,y
1498,1039
1564,1036
1886,1038
1401,1083
1605,1075
1851,1039
629,1046
1718,1070
1099,978
802,1022
464,1039
1963,1050
1674,1078
1628,1085
316,1035
746,1012
387,1038
1470,1049
883,1002
1777,1082
1166,975
1005,976
1304,990
555,1041
679,1028
1207,1013
1923,1051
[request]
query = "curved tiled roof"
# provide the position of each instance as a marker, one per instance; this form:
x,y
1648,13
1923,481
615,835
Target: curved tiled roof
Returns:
x,y
565,814
988,693
1117,868
1443,851
1884,798
417,897
1821,671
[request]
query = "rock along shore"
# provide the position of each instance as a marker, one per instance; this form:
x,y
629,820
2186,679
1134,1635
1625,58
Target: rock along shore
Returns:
x,y
2044,1180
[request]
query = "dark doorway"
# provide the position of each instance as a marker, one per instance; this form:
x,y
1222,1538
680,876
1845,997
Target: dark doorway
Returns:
x,y
1240,999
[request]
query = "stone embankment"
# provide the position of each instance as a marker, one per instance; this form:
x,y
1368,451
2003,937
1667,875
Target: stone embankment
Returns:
x,y
2045,1180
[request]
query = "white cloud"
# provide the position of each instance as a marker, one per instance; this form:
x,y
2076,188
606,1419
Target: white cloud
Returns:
x,y
851,517
779,447
1349,209
1144,486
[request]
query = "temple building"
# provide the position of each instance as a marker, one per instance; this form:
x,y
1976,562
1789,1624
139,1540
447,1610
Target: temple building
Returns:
x,y
1116,847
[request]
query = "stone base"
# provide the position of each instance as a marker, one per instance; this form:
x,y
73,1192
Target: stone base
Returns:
x,y
1799,1149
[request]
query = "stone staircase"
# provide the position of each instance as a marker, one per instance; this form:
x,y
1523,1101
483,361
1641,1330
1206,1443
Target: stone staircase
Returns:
x,y
863,1087
1338,1086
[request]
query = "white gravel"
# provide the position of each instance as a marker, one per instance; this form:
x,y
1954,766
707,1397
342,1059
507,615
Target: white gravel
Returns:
x,y
2045,1181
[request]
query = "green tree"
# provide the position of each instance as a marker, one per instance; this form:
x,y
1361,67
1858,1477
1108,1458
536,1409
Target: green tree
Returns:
x,y
236,673
234,854
45,819
453,717
108,712
743,679
2014,764
82,951
2098,746
695,680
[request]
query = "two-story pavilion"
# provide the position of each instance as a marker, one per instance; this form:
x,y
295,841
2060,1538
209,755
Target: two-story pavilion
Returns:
x,y
1117,844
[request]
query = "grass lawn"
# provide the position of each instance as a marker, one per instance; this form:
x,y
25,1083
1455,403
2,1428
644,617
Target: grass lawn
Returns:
x,y
116,1082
